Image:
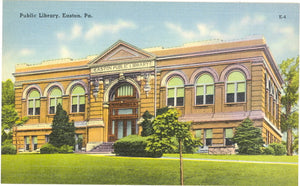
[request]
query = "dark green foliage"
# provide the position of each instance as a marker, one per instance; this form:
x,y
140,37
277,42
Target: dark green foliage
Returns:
x,y
9,116
63,131
167,128
160,111
133,145
65,149
8,149
248,138
279,149
48,149
289,115
268,150
8,93
147,124
295,142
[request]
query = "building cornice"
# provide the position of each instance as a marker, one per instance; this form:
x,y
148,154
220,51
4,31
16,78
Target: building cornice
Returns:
x,y
20,83
228,50
35,72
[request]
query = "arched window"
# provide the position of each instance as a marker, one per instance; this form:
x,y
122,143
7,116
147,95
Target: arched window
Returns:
x,y
78,99
125,90
205,90
34,102
55,98
236,87
175,92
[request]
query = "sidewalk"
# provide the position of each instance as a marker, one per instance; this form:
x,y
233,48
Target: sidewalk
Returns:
x,y
237,161
197,159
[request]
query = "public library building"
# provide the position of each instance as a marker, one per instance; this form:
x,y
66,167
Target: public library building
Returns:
x,y
214,84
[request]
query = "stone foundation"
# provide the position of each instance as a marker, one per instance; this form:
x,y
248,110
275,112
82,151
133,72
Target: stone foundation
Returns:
x,y
221,150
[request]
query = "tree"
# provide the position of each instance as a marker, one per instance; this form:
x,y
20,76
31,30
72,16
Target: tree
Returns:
x,y
9,117
166,127
8,93
147,124
289,101
248,138
63,131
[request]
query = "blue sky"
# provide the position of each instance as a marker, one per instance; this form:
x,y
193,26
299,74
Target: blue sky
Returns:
x,y
143,24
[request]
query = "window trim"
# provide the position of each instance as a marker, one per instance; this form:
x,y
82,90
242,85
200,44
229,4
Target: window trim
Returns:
x,y
175,92
204,90
55,100
78,100
236,89
34,99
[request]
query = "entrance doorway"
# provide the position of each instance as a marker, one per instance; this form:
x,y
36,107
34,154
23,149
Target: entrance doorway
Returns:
x,y
123,112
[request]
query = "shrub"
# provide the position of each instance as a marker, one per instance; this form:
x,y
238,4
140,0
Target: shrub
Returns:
x,y
8,149
268,150
48,149
279,149
248,138
133,145
65,149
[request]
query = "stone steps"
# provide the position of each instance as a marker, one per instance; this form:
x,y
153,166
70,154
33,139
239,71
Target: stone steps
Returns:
x,y
106,147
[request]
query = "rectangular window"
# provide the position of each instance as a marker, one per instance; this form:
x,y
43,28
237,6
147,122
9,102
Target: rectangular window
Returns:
x,y
125,111
179,101
208,137
113,127
74,108
129,127
27,143
198,134
170,101
209,99
199,95
47,139
34,142
228,136
82,108
240,97
74,103
171,94
81,103
120,129
37,107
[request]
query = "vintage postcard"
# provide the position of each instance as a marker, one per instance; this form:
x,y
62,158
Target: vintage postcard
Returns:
x,y
150,93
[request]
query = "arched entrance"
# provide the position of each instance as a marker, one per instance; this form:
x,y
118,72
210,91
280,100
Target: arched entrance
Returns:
x,y
123,111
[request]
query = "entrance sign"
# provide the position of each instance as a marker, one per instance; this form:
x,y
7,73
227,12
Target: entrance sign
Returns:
x,y
123,66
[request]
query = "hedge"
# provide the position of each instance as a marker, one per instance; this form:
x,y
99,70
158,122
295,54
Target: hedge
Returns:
x,y
133,145
279,148
48,149
8,149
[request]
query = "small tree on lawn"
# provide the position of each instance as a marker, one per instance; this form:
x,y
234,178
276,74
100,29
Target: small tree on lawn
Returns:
x,y
63,131
248,138
147,124
166,127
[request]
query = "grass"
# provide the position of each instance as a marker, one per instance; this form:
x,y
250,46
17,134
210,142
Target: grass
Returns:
x,y
93,169
265,158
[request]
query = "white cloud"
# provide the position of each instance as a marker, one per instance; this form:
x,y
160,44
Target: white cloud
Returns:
x,y
76,31
252,20
65,52
99,29
204,31
180,31
26,52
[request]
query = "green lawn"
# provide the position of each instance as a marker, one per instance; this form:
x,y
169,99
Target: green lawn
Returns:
x,y
265,158
93,169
